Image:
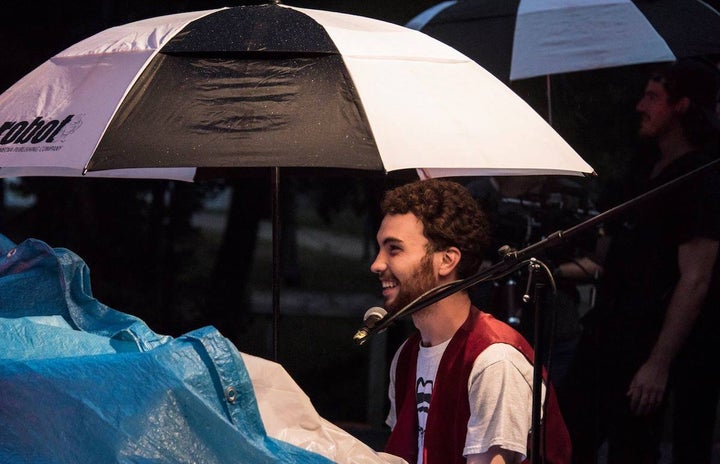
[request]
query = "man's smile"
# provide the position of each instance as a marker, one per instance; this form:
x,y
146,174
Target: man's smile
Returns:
x,y
388,286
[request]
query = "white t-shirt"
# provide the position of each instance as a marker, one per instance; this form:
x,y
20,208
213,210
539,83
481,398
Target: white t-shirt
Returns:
x,y
500,392
427,366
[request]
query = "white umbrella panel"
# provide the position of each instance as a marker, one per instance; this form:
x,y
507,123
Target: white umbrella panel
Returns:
x,y
520,39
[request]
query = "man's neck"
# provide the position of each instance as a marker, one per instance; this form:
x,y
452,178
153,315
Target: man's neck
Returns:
x,y
672,146
439,322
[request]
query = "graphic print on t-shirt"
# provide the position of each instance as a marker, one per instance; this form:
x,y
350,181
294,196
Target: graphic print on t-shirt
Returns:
x,y
423,393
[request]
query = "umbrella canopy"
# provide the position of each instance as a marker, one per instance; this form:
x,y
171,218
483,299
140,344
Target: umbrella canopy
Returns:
x,y
518,39
269,85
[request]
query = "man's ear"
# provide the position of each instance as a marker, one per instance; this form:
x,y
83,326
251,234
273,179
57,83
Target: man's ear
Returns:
x,y
682,105
450,259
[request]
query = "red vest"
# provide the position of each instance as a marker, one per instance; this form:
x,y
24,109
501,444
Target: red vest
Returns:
x,y
449,408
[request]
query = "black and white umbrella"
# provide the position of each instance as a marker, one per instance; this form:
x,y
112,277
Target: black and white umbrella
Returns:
x,y
269,85
518,39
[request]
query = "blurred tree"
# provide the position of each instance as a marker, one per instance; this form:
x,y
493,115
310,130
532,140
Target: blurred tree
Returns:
x,y
228,296
134,235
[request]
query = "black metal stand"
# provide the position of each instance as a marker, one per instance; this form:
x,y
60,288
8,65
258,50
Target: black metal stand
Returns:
x,y
276,231
537,297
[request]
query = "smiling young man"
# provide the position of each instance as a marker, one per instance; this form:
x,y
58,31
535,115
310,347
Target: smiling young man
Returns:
x,y
461,385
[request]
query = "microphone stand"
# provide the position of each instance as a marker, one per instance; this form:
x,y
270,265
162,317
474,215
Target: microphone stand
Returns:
x,y
514,259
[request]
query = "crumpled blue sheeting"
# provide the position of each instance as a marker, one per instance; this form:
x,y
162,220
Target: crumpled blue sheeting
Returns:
x,y
37,280
83,383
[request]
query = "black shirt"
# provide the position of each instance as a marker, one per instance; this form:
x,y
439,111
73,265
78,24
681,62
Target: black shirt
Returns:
x,y
641,270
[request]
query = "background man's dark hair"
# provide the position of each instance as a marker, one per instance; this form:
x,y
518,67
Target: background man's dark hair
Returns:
x,y
450,217
699,81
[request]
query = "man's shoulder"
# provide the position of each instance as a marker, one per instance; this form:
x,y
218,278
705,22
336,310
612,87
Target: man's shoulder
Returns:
x,y
705,158
707,161
700,173
501,354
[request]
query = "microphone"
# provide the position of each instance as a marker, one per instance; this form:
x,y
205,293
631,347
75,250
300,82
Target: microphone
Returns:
x,y
371,318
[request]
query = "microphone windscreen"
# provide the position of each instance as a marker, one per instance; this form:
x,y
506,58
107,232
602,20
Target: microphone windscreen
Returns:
x,y
374,311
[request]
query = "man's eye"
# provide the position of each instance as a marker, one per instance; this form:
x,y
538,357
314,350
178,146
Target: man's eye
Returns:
x,y
394,249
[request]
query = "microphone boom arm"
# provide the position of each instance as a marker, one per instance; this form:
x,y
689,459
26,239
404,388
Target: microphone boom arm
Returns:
x,y
514,259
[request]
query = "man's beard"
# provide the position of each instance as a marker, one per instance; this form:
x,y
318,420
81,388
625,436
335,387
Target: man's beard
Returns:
x,y
422,280
653,128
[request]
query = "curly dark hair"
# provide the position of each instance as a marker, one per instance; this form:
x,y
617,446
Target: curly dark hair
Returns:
x,y
450,217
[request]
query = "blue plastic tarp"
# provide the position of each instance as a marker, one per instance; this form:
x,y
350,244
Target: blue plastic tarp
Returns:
x,y
82,382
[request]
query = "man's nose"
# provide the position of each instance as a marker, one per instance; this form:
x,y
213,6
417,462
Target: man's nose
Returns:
x,y
640,107
378,265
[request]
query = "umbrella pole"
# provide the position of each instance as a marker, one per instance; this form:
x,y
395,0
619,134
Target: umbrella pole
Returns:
x,y
548,93
275,260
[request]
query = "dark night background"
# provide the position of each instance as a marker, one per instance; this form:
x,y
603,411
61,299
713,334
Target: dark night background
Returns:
x,y
148,258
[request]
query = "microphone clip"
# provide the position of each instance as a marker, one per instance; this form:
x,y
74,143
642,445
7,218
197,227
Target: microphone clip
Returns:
x,y
370,319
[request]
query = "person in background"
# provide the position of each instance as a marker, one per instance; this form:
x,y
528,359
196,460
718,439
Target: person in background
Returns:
x,y
461,384
653,329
